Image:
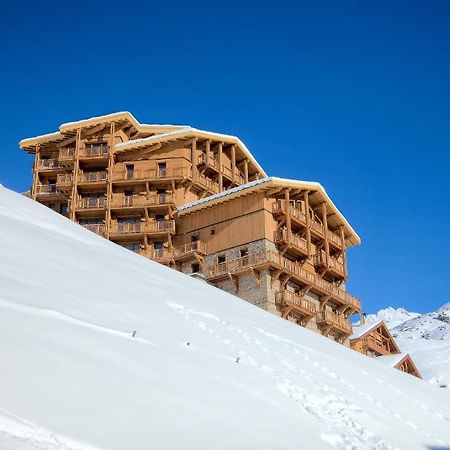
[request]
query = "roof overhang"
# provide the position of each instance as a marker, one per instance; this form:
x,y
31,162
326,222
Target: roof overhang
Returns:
x,y
264,184
190,133
70,128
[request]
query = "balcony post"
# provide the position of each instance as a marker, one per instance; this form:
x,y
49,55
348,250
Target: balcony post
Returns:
x,y
233,162
246,170
208,152
308,222
325,232
344,254
220,167
194,158
288,216
35,172
109,180
76,165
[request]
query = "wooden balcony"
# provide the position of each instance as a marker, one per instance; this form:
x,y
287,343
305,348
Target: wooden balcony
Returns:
x,y
142,201
335,266
91,203
150,227
64,182
49,164
374,345
66,156
207,183
227,172
189,251
161,255
97,228
151,174
47,191
331,321
299,305
97,177
94,152
295,244
273,260
298,217
210,162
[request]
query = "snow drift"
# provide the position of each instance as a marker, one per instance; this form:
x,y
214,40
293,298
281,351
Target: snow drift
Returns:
x,y
205,370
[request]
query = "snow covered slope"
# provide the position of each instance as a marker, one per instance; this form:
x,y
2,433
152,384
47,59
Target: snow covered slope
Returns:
x,y
205,370
426,337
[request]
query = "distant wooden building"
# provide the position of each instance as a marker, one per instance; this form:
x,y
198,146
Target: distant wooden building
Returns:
x,y
375,340
199,202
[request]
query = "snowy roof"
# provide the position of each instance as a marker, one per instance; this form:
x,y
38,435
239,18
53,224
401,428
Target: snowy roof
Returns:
x,y
392,360
70,127
187,132
361,330
264,183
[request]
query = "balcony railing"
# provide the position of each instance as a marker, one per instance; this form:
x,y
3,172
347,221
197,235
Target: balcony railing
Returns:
x,y
374,345
46,189
207,183
295,242
49,163
193,247
160,225
320,260
212,161
64,178
159,254
144,227
279,206
91,202
66,154
227,171
97,228
93,177
98,151
145,174
336,321
141,200
299,304
294,269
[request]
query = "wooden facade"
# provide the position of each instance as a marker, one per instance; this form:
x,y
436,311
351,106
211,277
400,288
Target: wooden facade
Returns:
x,y
199,202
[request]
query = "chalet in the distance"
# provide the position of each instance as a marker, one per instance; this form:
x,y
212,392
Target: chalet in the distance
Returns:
x,y
200,203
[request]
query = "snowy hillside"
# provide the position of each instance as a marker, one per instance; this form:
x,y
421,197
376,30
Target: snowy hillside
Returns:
x,y
205,370
426,337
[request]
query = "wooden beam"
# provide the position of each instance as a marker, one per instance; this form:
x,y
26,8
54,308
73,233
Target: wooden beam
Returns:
x,y
194,158
246,170
208,151
288,216
112,132
325,232
308,222
76,169
233,162
344,253
220,152
35,182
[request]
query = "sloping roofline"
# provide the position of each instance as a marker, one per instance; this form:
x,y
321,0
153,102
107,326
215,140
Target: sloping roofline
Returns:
x,y
186,133
368,329
68,128
352,237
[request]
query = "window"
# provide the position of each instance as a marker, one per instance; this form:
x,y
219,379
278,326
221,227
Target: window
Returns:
x,y
158,245
213,231
221,259
194,238
129,168
162,169
243,252
195,268
64,210
160,217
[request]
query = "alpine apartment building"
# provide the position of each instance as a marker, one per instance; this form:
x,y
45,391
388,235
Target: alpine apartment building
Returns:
x,y
200,203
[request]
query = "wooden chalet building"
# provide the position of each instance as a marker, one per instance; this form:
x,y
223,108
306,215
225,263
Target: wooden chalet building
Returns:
x,y
199,202
375,340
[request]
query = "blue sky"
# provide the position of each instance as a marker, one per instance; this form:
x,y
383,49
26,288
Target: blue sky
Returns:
x,y
353,94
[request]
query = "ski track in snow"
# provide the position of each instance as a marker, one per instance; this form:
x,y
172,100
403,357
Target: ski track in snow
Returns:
x,y
330,407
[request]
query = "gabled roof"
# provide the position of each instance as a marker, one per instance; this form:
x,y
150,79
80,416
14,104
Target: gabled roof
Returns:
x,y
321,196
397,360
364,330
69,128
186,133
